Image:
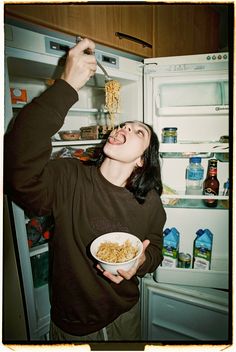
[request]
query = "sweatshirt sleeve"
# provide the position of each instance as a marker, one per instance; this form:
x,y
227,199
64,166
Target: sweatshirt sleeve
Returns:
x,y
27,147
154,250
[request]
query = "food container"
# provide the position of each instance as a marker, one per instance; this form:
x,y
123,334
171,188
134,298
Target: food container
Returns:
x,y
118,238
224,139
94,132
69,135
169,135
18,95
184,260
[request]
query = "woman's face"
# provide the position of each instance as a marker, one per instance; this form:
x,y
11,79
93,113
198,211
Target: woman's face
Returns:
x,y
128,142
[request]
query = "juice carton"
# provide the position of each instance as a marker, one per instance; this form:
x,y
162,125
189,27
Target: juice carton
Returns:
x,y
202,250
170,249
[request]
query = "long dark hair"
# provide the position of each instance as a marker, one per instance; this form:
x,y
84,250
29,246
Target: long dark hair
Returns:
x,y
144,179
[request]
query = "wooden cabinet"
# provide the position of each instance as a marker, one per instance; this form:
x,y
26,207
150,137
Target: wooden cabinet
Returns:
x,y
97,22
147,30
185,30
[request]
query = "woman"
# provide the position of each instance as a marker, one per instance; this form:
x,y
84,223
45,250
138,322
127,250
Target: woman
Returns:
x,y
121,194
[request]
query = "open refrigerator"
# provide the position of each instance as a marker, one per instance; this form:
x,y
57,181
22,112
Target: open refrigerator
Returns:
x,y
191,94
163,93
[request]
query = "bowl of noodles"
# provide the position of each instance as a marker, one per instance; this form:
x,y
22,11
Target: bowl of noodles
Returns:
x,y
116,250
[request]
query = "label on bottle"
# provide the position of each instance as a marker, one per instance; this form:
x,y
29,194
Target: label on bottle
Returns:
x,y
210,192
195,174
201,264
212,171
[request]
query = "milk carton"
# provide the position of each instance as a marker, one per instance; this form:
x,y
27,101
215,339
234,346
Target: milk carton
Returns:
x,y
170,249
202,250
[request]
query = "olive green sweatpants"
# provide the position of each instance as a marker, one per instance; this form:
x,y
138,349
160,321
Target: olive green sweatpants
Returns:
x,y
126,327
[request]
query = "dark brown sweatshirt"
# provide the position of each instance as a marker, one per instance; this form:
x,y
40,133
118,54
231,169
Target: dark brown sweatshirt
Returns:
x,y
84,205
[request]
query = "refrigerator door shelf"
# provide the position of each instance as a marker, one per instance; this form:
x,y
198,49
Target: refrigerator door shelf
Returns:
x,y
38,249
42,304
192,277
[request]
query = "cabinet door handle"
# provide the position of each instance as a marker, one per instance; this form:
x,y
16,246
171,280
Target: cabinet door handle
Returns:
x,y
133,39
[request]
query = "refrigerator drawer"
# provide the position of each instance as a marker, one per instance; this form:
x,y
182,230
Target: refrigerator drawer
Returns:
x,y
183,313
183,319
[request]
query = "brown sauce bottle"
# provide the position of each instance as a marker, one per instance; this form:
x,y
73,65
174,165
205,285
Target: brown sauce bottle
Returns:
x,y
211,184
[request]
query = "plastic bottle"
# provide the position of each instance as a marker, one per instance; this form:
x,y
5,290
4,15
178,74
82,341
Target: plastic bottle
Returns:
x,y
194,176
226,188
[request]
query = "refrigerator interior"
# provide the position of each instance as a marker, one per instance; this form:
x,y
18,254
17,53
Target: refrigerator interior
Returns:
x,y
191,93
189,215
89,110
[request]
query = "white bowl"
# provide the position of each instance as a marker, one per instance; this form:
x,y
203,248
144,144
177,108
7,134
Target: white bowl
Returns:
x,y
120,238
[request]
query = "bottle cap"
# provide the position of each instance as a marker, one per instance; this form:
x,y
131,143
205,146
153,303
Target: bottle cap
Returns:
x,y
166,231
195,159
226,184
170,129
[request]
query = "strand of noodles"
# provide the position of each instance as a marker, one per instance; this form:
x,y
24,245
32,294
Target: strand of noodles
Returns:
x,y
112,252
112,99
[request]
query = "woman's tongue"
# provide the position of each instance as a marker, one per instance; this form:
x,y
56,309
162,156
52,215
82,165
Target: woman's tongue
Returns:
x,y
117,139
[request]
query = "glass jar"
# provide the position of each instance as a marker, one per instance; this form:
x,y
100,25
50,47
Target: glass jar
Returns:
x,y
169,135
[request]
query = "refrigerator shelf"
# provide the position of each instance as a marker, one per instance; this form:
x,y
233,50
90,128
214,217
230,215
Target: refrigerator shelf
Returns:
x,y
193,277
20,105
196,204
211,110
42,248
80,142
186,149
181,195
83,110
182,200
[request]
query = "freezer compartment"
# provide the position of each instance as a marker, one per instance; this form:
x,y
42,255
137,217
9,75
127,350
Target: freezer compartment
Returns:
x,y
208,96
192,88
183,313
